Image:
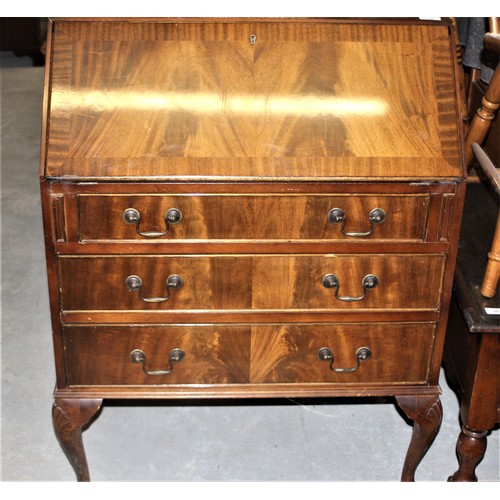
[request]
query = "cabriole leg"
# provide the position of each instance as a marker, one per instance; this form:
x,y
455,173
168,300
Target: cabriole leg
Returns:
x,y
426,413
68,417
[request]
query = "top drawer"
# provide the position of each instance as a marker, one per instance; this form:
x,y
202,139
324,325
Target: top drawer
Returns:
x,y
252,217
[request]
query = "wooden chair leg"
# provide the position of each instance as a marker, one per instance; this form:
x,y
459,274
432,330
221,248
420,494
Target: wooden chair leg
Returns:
x,y
492,273
483,119
471,447
68,417
426,413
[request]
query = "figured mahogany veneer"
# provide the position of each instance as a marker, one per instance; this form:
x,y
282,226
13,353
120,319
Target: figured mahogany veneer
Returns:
x,y
224,107
253,216
248,354
251,282
246,208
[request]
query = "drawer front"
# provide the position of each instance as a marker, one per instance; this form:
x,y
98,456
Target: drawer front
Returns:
x,y
252,282
397,353
248,354
102,356
251,217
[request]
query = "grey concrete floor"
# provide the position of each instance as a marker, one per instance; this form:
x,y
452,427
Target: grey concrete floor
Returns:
x,y
311,441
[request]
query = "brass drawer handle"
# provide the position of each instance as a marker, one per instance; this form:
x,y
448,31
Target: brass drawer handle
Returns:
x,y
134,284
362,354
133,216
337,216
175,356
331,281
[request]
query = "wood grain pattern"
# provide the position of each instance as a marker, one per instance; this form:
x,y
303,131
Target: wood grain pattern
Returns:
x,y
253,217
292,105
250,354
251,282
93,209
288,353
101,356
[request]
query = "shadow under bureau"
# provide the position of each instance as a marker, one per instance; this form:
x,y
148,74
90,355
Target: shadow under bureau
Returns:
x,y
244,208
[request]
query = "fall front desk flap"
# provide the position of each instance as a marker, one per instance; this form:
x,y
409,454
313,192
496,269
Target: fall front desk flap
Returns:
x,y
251,99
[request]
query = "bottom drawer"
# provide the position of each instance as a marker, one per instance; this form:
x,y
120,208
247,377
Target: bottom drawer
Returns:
x,y
248,354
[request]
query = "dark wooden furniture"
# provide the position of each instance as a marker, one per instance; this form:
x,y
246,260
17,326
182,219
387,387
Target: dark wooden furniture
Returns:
x,y
250,208
473,338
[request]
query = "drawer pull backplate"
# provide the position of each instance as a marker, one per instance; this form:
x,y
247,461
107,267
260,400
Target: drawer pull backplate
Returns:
x,y
331,281
337,216
133,216
362,354
134,284
175,356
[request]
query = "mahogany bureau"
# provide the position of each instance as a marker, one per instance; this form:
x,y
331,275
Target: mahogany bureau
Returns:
x,y
244,208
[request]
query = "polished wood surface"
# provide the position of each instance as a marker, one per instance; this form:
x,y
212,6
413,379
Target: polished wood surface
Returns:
x,y
248,354
415,212
252,282
170,100
253,217
289,353
254,129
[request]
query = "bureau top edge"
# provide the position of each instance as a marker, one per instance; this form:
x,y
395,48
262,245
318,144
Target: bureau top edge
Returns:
x,y
296,19
414,181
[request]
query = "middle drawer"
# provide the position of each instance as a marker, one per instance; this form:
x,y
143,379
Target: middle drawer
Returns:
x,y
252,282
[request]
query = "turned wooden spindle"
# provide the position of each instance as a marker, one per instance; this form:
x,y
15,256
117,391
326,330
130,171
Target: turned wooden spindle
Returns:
x,y
471,447
490,103
492,273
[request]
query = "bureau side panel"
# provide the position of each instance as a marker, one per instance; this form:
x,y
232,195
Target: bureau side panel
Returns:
x,y
450,226
54,229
